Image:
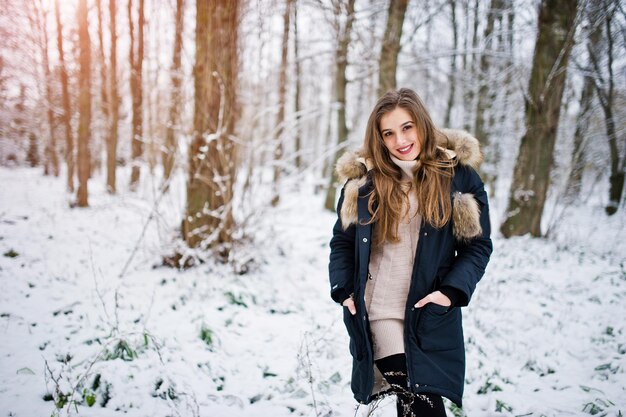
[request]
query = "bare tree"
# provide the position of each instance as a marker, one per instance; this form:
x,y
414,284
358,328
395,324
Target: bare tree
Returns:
x,y
136,89
469,66
391,46
482,105
531,176
114,100
282,90
84,103
175,99
604,83
51,159
104,93
67,108
208,221
340,85
453,72
298,81
593,43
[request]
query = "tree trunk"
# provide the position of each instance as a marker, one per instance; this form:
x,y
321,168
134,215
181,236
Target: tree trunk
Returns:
x,y
296,58
340,84
67,108
115,103
104,96
391,46
175,100
452,76
605,88
429,36
32,155
282,90
594,44
574,181
208,222
469,90
136,65
52,158
482,105
52,144
531,176
505,48
84,104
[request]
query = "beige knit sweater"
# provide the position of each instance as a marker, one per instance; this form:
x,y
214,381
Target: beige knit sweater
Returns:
x,y
390,267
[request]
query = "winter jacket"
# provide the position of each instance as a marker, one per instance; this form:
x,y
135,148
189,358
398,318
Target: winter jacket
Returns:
x,y
452,256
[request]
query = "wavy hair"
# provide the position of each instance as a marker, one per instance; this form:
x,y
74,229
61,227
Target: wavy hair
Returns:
x,y
432,175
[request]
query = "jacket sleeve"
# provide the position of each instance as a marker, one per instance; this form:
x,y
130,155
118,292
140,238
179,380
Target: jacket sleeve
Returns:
x,y
471,256
342,258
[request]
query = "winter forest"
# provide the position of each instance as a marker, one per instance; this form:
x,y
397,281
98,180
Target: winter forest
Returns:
x,y
168,192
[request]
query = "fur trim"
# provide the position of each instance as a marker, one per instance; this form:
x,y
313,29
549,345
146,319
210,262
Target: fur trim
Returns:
x,y
352,167
466,146
466,217
348,166
349,209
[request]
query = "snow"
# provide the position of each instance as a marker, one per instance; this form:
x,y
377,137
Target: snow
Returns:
x,y
545,331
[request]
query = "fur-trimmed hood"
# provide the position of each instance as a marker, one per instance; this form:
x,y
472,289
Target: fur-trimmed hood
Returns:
x,y
353,167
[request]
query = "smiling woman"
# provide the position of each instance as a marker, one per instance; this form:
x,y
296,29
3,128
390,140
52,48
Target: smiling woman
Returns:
x,y
396,211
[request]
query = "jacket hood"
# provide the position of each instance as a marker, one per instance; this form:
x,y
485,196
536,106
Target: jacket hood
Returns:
x,y
457,143
353,167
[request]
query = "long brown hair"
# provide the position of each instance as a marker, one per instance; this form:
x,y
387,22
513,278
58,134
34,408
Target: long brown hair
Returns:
x,y
432,176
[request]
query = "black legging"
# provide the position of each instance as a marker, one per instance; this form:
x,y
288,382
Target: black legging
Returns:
x,y
409,404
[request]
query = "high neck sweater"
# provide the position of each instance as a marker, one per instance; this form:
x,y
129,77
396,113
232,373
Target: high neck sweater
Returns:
x,y
390,270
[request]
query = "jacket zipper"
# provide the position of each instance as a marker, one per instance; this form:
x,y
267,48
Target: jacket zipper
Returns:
x,y
412,290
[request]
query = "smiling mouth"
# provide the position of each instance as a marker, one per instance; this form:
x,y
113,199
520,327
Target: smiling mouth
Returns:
x,y
406,149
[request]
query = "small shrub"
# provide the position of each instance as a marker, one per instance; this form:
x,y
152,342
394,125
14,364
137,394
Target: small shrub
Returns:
x,y
488,387
235,299
122,350
501,405
89,397
162,392
206,335
11,254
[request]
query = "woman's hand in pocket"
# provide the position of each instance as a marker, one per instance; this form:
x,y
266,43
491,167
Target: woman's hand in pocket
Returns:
x,y
349,304
436,297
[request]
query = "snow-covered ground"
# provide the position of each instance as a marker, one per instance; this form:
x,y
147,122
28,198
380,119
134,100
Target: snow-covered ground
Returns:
x,y
545,332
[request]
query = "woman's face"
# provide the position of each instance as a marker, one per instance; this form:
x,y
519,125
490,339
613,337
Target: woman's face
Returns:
x,y
400,134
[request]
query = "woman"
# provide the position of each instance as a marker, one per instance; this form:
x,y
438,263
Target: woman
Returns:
x,y
411,243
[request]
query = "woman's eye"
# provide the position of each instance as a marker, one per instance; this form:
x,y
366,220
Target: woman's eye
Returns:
x,y
387,134
407,127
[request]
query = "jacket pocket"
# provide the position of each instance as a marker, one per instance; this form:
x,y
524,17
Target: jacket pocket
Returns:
x,y
439,328
357,347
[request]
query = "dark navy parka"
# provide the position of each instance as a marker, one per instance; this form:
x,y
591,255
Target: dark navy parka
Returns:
x,y
433,334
